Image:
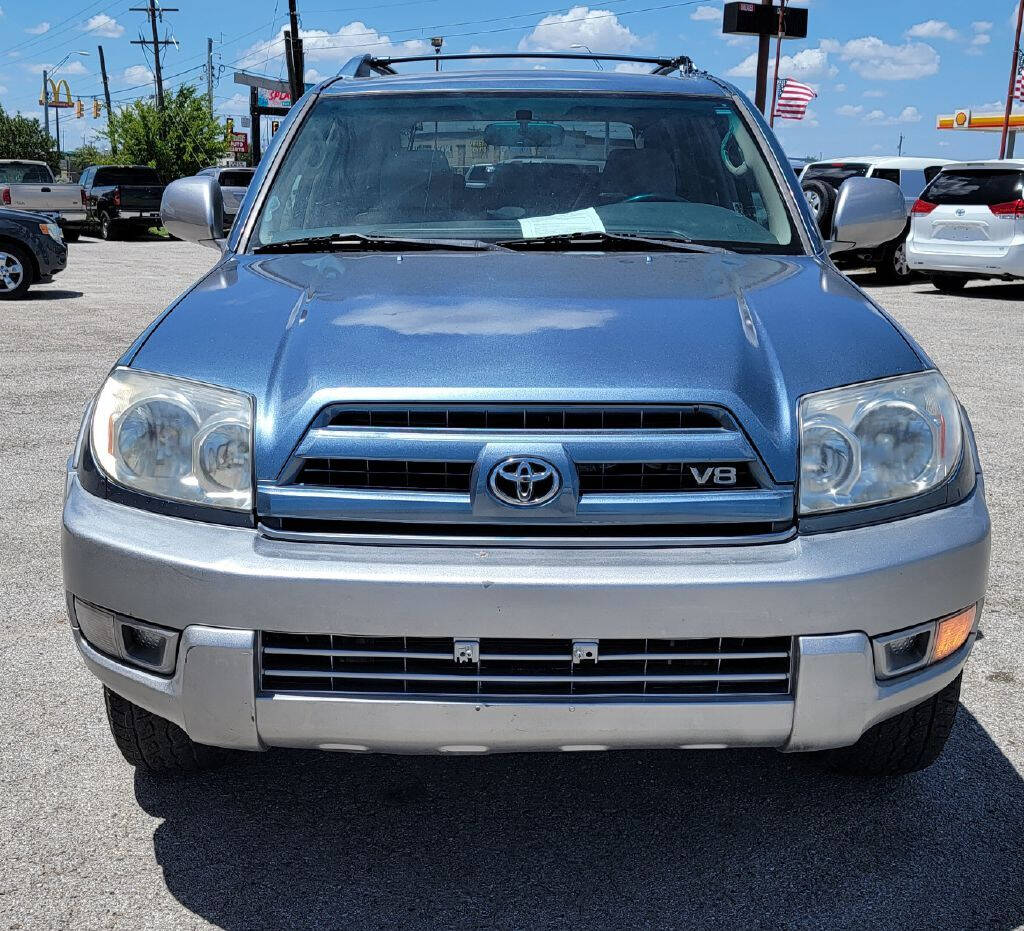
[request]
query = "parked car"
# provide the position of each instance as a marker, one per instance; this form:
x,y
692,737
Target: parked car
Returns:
x,y
32,251
234,182
969,223
479,176
821,180
29,185
122,199
625,465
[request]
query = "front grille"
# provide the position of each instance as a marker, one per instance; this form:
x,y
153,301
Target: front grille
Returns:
x,y
640,477
527,668
534,418
389,474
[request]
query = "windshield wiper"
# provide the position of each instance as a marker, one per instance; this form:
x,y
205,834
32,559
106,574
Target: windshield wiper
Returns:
x,y
361,242
628,242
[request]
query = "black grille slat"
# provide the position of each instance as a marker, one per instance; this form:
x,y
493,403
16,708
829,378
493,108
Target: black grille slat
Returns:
x,y
539,668
540,417
387,474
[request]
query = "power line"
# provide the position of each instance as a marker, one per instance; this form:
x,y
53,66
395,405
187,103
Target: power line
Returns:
x,y
152,10
77,28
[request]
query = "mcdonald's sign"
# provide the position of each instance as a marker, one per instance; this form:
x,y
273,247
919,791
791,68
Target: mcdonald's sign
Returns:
x,y
56,100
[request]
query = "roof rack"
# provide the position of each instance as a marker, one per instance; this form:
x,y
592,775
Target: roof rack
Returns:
x,y
363,66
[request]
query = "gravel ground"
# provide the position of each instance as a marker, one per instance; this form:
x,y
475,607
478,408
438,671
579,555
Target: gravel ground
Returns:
x,y
612,840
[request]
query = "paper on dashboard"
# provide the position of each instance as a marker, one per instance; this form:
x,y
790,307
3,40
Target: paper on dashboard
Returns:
x,y
561,224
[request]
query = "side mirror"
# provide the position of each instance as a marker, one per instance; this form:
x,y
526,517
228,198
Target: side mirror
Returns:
x,y
868,213
193,209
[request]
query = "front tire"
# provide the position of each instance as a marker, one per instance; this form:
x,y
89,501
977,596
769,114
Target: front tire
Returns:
x,y
16,272
150,743
909,742
949,284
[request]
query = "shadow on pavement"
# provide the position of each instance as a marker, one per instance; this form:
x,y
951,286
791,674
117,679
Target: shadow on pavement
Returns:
x,y
52,294
687,839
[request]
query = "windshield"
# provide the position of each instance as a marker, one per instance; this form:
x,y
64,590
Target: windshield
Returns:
x,y
126,176
499,167
25,173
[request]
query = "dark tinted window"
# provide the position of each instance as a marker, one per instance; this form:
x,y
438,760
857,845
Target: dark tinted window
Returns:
x,y
931,171
887,174
983,186
235,178
24,173
835,173
126,176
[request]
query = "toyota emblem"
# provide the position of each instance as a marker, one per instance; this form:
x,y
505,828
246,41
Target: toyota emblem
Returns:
x,y
524,481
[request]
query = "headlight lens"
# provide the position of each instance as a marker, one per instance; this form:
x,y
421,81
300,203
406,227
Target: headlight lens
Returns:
x,y
175,439
878,441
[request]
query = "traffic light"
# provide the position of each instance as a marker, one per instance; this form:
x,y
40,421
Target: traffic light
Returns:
x,y
95,109
79,109
274,124
229,125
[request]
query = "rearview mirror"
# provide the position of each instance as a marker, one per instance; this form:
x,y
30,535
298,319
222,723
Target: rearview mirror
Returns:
x,y
523,134
869,212
193,209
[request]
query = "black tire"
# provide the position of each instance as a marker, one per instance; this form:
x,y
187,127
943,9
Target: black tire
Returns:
x,y
109,230
892,265
904,744
949,284
18,269
822,199
150,743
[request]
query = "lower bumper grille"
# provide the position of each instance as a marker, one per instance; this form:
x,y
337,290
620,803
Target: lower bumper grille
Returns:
x,y
527,668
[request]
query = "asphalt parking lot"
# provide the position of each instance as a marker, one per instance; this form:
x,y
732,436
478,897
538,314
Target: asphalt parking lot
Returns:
x,y
291,840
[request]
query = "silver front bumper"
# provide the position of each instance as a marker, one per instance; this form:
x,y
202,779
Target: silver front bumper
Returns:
x,y
220,585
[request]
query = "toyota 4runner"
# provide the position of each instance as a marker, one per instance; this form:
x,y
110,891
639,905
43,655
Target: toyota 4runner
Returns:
x,y
602,453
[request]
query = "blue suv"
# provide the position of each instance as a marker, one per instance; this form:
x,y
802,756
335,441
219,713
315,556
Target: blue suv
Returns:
x,y
599,453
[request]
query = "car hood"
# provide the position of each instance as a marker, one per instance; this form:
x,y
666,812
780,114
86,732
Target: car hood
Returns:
x,y
751,333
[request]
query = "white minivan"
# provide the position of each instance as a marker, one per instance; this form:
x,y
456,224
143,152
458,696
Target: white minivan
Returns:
x,y
969,223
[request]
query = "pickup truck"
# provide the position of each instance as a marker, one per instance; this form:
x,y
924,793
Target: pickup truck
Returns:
x,y
29,185
122,199
604,459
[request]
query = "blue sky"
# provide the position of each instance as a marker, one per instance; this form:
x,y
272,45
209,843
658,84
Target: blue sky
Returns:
x,y
880,68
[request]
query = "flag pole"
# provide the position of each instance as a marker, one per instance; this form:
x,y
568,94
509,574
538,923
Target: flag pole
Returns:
x,y
778,54
1013,80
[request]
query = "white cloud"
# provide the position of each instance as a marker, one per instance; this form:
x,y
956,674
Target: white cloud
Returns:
x,y
808,64
874,92
706,14
38,30
876,60
632,67
909,115
321,45
850,110
71,68
875,116
840,88
906,115
599,29
234,105
136,74
977,45
3,89
981,25
103,25
933,29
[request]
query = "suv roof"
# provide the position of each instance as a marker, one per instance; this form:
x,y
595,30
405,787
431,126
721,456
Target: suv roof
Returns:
x,y
887,161
1010,163
672,75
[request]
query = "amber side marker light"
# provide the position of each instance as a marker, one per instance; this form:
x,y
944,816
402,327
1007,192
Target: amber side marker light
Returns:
x,y
951,633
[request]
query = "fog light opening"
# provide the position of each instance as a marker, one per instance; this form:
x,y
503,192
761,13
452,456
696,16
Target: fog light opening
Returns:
x,y
903,651
951,633
147,646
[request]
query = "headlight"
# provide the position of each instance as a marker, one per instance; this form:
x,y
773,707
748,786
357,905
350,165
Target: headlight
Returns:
x,y
52,230
878,441
175,439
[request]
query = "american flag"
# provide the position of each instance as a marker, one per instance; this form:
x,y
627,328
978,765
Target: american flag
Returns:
x,y
793,100
1018,85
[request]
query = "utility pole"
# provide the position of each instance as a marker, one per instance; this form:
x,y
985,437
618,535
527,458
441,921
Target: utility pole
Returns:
x,y
899,147
46,103
153,11
106,97
209,74
778,55
293,55
1014,61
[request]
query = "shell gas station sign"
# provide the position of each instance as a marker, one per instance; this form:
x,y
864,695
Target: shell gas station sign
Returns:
x,y
967,120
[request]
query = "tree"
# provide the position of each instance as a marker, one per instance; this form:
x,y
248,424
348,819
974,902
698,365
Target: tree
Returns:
x,y
177,141
86,155
21,137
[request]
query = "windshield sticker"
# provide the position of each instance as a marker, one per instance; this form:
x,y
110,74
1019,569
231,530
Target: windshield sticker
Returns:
x,y
559,224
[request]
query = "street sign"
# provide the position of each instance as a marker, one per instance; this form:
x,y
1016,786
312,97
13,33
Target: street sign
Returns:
x,y
759,19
